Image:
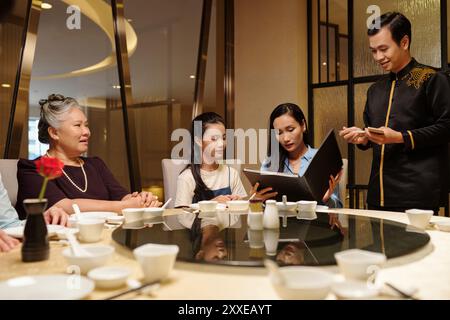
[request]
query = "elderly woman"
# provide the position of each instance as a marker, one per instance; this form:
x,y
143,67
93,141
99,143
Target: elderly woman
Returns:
x,y
86,181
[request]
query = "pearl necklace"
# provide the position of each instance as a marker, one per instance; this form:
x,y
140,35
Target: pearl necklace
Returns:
x,y
71,181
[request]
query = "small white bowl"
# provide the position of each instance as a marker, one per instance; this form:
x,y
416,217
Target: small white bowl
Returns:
x,y
238,205
207,206
156,260
355,290
303,283
100,255
133,214
152,212
419,218
289,206
359,264
443,225
109,277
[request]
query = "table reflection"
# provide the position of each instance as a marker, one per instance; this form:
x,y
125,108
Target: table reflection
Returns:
x,y
224,238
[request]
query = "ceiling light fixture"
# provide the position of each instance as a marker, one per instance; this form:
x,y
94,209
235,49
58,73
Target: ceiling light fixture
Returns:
x,y
6,85
116,87
192,76
46,6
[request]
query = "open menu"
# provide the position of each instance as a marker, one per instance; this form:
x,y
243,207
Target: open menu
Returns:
x,y
313,184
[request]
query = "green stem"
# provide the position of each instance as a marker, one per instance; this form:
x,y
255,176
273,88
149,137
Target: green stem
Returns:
x,y
44,186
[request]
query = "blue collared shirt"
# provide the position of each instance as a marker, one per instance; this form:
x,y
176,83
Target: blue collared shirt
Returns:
x,y
334,201
8,215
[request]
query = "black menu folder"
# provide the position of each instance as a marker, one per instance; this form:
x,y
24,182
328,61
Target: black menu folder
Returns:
x,y
313,184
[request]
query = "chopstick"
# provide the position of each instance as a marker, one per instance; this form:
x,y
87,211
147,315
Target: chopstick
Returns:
x,y
132,290
402,293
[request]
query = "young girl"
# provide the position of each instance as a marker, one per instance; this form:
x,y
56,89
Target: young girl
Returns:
x,y
295,154
205,178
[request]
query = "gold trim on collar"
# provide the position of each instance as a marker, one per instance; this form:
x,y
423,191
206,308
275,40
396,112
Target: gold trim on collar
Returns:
x,y
417,76
384,146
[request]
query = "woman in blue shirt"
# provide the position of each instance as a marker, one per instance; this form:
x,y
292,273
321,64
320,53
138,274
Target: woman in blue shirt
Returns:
x,y
295,154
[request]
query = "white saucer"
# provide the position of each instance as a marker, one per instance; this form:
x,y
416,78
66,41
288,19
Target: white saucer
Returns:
x,y
220,206
322,208
115,219
62,234
354,290
46,287
98,215
72,223
443,225
17,232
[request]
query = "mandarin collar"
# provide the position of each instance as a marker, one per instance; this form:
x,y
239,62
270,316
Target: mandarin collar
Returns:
x,y
399,75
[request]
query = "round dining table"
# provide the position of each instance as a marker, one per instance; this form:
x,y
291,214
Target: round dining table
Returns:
x,y
427,270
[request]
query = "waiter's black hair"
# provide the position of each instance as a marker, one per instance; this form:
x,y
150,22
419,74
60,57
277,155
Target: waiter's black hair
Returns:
x,y
397,23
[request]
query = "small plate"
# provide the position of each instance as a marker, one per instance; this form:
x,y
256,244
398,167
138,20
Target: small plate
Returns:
x,y
322,208
354,290
220,206
98,215
17,232
62,234
46,287
115,219
442,225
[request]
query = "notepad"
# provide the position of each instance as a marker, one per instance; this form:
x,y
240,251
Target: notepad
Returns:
x,y
313,184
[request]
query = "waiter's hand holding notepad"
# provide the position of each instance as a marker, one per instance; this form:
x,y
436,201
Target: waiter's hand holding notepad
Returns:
x,y
313,184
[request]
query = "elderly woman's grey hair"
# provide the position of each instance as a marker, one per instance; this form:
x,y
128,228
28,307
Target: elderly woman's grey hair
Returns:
x,y
53,111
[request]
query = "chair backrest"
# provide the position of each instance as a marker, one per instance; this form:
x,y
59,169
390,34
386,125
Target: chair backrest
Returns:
x,y
343,182
8,172
171,170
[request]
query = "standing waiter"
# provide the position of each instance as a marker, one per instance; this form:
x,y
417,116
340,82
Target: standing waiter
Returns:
x,y
411,108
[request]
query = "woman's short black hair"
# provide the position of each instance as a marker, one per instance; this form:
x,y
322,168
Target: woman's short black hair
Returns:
x,y
397,23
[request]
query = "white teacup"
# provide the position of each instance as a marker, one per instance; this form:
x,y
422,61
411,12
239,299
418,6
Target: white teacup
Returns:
x,y
207,206
419,218
307,210
156,260
256,239
133,214
255,220
90,230
359,264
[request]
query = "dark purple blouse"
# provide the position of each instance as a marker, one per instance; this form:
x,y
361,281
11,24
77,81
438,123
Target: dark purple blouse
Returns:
x,y
101,184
